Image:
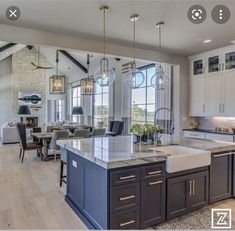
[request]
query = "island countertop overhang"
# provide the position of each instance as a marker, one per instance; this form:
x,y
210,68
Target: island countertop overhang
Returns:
x,y
117,152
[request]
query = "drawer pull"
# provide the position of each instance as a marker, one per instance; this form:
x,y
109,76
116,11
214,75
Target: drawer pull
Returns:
x,y
224,154
154,172
127,198
155,182
127,177
127,223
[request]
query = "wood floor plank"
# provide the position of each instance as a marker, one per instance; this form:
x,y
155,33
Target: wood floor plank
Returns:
x,y
30,194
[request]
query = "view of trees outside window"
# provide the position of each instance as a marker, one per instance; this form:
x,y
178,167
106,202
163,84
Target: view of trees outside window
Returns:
x,y
58,109
143,99
76,101
101,104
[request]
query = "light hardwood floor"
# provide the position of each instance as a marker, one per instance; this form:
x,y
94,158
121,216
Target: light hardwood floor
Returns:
x,y
30,197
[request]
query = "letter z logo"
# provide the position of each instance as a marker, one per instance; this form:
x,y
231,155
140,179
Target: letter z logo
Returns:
x,y
221,219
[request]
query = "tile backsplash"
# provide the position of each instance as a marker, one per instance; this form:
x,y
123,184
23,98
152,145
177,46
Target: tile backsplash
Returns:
x,y
211,123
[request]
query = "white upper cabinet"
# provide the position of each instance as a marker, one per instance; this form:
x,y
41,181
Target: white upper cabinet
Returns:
x,y
228,106
197,97
212,83
214,96
197,67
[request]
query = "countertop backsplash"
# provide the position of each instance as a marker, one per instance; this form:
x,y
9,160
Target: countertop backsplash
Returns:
x,y
211,123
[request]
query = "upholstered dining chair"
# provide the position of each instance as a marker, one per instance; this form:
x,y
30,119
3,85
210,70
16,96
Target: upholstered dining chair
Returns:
x,y
24,146
98,131
81,133
57,135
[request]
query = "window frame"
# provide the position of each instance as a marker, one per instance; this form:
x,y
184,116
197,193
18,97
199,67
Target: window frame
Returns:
x,y
145,104
76,118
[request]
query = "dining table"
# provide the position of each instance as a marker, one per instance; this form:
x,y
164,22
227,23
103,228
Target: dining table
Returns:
x,y
45,137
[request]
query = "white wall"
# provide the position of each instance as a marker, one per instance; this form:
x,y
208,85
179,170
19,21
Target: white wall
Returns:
x,y
5,90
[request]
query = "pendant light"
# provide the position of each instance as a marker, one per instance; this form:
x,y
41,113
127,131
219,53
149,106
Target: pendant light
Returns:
x,y
89,82
104,76
134,78
57,82
160,80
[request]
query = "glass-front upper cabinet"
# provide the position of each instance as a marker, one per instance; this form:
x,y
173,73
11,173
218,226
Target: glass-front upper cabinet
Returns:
x,y
230,60
213,64
198,67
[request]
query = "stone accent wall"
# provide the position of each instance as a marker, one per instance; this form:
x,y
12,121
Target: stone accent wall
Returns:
x,y
25,79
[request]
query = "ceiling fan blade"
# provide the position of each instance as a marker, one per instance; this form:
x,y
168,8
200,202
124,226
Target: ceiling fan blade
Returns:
x,y
34,64
40,67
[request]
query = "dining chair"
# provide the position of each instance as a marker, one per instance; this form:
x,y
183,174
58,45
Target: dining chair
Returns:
x,y
98,132
81,133
57,135
24,146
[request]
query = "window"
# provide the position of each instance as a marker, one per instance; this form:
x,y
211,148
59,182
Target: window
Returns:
x,y
76,101
58,110
101,106
143,99
146,100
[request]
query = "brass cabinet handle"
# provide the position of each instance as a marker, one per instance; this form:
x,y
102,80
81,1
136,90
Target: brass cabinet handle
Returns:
x,y
154,172
219,107
193,187
190,188
127,223
127,177
224,154
155,182
127,198
203,108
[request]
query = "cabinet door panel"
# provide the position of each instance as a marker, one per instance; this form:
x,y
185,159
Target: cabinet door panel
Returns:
x,y
220,177
199,193
221,137
152,202
177,196
214,95
197,96
229,96
75,179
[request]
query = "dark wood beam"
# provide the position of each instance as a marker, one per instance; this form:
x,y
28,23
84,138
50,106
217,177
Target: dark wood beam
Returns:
x,y
73,60
5,47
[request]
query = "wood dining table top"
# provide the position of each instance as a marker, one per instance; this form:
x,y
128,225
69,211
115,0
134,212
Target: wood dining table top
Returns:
x,y
45,135
42,135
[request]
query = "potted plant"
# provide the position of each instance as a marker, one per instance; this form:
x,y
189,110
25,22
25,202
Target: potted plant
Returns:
x,y
138,131
145,133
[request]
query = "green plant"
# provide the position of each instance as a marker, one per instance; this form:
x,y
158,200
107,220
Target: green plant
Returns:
x,y
137,129
147,129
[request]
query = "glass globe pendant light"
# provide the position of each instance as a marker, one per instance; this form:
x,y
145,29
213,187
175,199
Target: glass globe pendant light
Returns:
x,y
104,76
160,80
134,78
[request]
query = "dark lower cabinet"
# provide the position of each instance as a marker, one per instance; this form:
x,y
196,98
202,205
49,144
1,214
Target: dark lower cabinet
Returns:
x,y
126,219
186,193
152,202
220,177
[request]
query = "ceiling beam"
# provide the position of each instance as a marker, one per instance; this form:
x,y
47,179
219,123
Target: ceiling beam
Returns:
x,y
73,60
5,47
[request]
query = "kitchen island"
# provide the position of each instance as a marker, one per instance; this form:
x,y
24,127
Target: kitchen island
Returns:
x,y
115,184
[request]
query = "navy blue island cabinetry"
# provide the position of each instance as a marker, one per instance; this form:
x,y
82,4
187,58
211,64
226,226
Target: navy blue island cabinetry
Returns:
x,y
130,197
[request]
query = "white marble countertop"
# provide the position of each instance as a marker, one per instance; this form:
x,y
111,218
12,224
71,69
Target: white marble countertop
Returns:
x,y
119,151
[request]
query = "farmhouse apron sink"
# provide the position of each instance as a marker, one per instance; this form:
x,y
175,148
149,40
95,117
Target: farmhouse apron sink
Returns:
x,y
183,158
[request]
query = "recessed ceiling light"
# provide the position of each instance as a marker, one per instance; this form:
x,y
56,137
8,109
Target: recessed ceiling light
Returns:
x,y
207,41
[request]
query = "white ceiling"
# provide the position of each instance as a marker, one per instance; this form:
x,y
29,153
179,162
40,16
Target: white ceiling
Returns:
x,y
83,18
